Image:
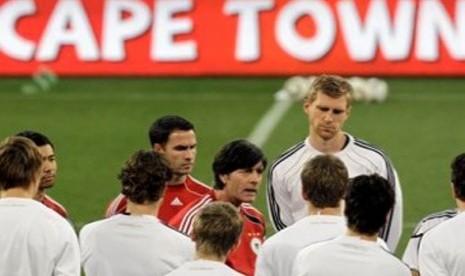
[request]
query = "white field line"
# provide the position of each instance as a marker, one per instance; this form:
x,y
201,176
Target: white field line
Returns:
x,y
263,129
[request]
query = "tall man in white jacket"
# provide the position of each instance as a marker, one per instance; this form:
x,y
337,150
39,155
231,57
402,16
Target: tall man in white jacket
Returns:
x,y
328,106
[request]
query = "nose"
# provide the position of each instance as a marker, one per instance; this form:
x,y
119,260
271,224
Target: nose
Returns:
x,y
190,154
256,177
47,166
328,117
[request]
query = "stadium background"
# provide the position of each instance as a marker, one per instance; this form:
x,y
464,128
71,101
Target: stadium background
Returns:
x,y
97,123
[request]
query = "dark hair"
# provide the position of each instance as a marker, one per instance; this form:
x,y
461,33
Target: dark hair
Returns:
x,y
38,138
324,181
238,154
161,129
458,176
369,200
144,177
217,228
20,163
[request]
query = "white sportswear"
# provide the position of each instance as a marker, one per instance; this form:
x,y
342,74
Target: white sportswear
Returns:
x,y
133,245
410,256
349,256
204,268
278,253
35,240
442,249
284,189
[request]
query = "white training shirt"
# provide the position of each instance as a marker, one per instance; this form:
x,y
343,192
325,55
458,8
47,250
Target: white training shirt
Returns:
x,y
204,268
278,253
132,245
410,256
284,188
35,240
442,249
348,256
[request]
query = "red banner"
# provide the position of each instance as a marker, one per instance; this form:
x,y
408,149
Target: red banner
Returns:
x,y
233,37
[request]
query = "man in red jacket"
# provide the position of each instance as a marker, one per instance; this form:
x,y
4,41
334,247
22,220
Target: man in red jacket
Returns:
x,y
238,169
173,137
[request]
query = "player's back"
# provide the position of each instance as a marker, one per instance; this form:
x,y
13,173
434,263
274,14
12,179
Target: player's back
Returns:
x,y
133,245
35,240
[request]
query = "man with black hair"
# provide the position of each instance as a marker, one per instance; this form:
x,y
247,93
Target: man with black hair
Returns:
x,y
138,243
368,201
173,137
442,248
47,150
238,169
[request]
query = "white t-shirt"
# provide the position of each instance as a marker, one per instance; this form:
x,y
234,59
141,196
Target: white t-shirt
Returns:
x,y
204,268
410,256
278,253
35,240
442,251
132,245
284,188
348,256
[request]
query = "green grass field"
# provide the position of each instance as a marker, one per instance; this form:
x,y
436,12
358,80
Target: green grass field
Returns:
x,y
96,124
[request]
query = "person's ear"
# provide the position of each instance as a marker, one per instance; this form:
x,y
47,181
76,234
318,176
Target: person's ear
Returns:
x,y
158,148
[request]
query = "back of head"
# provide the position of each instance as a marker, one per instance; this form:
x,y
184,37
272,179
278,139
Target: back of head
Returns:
x,y
324,181
38,138
144,177
238,154
20,163
161,129
332,86
217,228
458,176
369,200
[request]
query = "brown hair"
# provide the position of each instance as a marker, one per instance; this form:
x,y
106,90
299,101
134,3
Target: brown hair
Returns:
x,y
144,177
20,163
332,86
324,181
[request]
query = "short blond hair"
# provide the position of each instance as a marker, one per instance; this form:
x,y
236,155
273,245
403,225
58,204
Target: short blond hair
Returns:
x,y
332,86
217,228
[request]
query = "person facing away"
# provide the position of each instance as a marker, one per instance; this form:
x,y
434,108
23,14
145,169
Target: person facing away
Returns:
x,y
324,181
34,240
442,248
216,231
328,106
238,169
137,243
173,137
47,150
368,201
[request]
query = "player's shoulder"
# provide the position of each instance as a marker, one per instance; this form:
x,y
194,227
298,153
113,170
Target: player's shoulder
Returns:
x,y
55,205
196,185
432,220
289,155
367,148
252,213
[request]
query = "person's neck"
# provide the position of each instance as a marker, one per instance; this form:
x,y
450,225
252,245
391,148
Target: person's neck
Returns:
x,y
460,205
209,257
18,192
332,145
313,211
371,238
223,197
177,179
40,195
150,209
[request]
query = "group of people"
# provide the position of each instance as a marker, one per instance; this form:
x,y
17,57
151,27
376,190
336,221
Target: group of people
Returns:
x,y
334,200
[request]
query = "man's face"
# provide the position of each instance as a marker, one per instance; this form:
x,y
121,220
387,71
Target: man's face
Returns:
x,y
180,151
326,115
49,167
241,186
